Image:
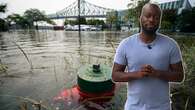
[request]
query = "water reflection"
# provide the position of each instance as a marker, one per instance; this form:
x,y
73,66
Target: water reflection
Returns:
x,y
2,44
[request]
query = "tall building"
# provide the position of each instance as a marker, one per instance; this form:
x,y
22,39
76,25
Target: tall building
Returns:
x,y
178,5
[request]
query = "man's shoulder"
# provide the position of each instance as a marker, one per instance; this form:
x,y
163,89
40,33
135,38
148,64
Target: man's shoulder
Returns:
x,y
163,36
129,39
166,38
127,42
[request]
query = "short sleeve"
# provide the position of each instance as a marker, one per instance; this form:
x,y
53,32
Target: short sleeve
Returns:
x,y
120,57
175,55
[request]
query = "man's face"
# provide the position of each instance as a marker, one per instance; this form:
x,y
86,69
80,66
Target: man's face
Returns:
x,y
150,19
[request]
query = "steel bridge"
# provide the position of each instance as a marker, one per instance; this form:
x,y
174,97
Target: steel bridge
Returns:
x,y
86,10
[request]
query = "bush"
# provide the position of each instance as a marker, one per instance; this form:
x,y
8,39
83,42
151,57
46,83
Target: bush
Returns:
x,y
183,96
166,25
185,21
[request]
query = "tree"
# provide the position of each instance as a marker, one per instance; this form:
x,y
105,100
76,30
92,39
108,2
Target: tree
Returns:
x,y
134,13
168,19
82,20
49,21
35,15
3,8
112,18
18,20
185,21
3,24
71,22
95,22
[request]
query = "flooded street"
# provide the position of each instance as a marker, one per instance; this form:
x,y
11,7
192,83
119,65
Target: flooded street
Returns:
x,y
40,64
43,63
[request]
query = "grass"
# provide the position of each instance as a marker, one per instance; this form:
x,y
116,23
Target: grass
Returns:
x,y
3,68
26,56
38,105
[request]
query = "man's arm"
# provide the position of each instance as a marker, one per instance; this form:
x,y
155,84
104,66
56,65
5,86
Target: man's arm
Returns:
x,y
119,74
175,73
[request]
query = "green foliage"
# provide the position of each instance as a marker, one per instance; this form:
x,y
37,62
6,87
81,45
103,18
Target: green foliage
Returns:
x,y
138,8
49,21
3,68
18,20
71,22
112,17
169,15
166,24
95,22
3,8
34,15
184,95
3,24
76,22
168,19
185,21
134,13
84,21
130,16
27,20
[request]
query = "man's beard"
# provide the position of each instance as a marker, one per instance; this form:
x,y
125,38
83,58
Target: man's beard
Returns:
x,y
150,31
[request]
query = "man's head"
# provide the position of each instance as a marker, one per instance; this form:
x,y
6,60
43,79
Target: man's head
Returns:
x,y
150,18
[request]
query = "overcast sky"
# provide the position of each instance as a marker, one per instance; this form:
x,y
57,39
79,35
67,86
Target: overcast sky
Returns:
x,y
51,6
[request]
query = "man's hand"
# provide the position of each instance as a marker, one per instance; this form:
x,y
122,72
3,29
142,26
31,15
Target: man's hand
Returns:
x,y
174,74
148,70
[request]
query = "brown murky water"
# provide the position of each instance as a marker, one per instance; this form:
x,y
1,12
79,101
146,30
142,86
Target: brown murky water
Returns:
x,y
43,63
54,58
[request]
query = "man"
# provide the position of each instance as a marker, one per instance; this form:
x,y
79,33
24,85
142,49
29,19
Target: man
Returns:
x,y
152,60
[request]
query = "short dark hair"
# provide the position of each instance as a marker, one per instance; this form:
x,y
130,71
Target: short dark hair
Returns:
x,y
154,5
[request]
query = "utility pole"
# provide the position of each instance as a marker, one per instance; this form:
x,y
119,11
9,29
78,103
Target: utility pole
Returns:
x,y
79,3
79,8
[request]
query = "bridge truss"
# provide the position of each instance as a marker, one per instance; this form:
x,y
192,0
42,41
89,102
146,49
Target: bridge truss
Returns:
x,y
86,10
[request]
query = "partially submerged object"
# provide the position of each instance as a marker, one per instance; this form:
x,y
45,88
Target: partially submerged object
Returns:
x,y
95,79
93,84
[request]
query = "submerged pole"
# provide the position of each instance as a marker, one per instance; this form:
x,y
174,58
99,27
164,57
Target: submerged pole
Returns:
x,y
79,3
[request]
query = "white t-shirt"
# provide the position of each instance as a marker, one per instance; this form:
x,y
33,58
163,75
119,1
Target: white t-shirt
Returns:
x,y
148,93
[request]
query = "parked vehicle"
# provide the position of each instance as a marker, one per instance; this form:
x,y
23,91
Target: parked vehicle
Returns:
x,y
82,27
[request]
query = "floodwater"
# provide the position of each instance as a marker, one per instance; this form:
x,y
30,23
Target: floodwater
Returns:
x,y
41,64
